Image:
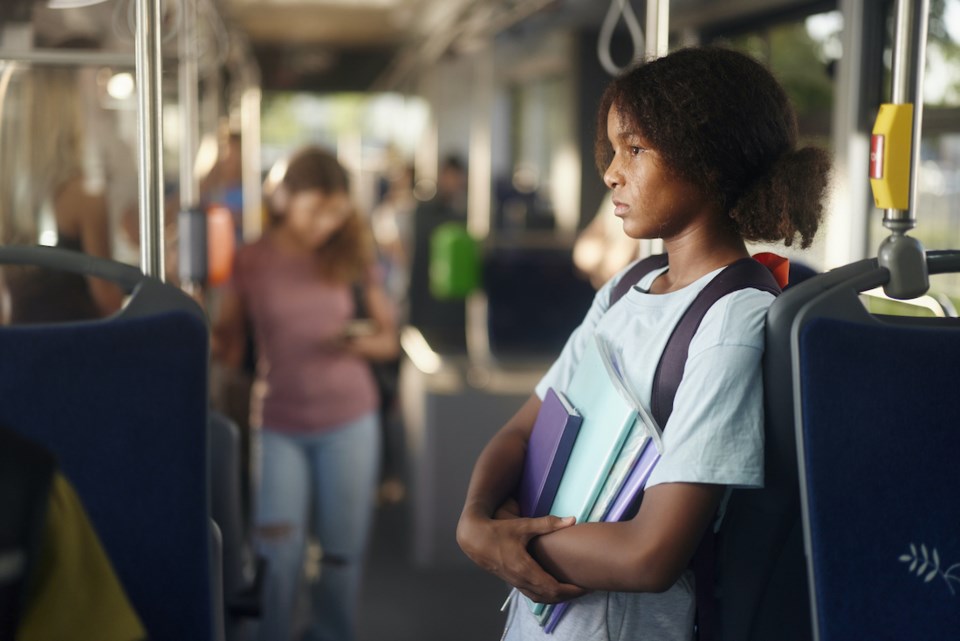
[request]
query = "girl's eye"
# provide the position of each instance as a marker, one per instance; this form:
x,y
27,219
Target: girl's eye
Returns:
x,y
635,151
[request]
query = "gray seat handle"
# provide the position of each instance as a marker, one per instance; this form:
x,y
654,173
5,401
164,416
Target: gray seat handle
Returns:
x,y
148,295
125,276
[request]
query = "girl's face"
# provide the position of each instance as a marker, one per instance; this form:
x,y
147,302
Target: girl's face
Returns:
x,y
647,197
314,216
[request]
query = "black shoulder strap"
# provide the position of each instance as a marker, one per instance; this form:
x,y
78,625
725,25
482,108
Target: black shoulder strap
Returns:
x,y
635,274
26,472
744,273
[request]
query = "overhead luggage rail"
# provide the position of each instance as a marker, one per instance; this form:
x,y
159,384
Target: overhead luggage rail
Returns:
x,y
68,57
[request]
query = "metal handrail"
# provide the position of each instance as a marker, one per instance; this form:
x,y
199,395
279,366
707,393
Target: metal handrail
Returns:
x,y
901,254
150,151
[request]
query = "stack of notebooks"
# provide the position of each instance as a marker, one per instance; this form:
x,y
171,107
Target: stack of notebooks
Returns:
x,y
591,451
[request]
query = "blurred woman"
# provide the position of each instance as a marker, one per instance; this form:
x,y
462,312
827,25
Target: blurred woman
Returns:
x,y
45,183
315,398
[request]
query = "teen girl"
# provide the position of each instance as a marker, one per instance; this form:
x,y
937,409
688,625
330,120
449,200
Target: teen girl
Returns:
x,y
315,399
699,149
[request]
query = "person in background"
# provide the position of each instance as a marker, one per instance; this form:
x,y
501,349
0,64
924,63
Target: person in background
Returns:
x,y
47,187
56,582
392,223
314,399
602,249
441,322
224,184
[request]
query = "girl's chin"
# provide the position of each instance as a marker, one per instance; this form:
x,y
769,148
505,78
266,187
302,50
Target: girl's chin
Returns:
x,y
635,232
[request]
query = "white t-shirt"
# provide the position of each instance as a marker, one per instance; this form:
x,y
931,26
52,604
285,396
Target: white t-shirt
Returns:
x,y
714,435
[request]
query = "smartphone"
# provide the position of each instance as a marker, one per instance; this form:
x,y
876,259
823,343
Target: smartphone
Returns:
x,y
360,327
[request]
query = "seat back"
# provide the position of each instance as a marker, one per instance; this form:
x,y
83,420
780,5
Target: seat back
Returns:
x,y
877,440
240,594
122,404
760,563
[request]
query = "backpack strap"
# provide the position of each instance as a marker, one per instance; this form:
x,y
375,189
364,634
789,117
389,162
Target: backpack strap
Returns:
x,y
635,274
743,274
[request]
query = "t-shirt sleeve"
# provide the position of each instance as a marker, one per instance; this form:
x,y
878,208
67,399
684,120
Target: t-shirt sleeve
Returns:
x,y
75,593
560,373
715,433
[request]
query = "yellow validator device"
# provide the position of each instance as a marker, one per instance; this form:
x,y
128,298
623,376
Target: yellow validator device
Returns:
x,y
890,156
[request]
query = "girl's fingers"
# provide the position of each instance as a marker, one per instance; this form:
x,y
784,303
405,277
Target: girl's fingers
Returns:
x,y
551,591
547,524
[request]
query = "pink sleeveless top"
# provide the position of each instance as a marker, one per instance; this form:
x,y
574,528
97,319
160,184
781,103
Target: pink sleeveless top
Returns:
x,y
302,385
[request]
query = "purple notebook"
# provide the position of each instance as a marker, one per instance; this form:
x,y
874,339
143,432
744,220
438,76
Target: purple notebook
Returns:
x,y
551,441
632,488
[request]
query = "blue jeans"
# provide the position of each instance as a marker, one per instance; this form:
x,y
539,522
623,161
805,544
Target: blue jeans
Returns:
x,y
331,476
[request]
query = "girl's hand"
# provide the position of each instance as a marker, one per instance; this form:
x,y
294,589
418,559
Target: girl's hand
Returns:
x,y
499,545
509,510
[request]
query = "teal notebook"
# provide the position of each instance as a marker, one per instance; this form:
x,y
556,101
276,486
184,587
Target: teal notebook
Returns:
x,y
607,419
643,431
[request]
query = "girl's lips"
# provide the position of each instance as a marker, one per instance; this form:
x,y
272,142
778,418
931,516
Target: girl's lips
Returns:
x,y
619,208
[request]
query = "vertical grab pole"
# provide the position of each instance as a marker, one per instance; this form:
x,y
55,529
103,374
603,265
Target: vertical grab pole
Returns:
x,y
909,59
250,151
657,45
150,136
658,28
895,154
189,105
192,221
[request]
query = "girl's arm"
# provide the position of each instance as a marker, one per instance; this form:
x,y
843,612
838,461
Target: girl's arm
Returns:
x,y
74,202
229,336
384,343
500,545
646,554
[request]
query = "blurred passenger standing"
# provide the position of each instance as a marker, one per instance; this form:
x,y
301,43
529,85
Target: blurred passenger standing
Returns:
x,y
441,321
392,222
48,184
315,398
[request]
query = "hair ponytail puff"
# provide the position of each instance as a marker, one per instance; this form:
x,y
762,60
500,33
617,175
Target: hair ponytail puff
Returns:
x,y
787,201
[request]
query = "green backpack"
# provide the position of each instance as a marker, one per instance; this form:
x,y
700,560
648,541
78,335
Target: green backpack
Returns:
x,y
454,262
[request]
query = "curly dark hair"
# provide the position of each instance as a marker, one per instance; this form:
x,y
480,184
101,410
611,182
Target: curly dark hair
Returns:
x,y
349,253
720,120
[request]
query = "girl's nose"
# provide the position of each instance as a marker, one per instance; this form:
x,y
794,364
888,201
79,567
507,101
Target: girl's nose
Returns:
x,y
612,177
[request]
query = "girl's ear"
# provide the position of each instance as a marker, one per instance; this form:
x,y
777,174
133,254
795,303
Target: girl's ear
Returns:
x,y
279,200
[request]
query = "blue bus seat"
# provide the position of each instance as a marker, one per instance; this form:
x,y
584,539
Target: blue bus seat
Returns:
x,y
878,441
242,576
122,404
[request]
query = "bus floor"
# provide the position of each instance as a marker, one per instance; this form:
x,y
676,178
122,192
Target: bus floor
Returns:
x,y
403,602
